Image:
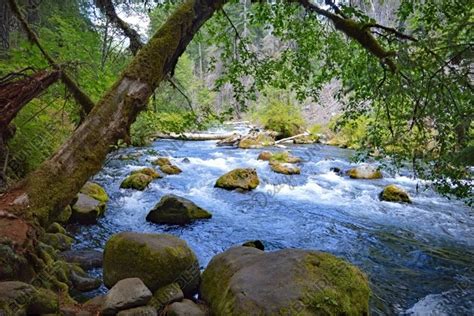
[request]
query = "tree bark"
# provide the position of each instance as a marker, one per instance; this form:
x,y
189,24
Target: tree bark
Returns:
x,y
55,183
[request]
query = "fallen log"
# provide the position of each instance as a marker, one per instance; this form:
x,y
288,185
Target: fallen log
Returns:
x,y
195,136
284,140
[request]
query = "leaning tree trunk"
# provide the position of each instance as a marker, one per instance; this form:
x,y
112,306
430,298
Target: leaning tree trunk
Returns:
x,y
52,187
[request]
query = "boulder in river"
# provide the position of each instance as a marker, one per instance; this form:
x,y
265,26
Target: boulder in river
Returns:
x,y
255,244
137,181
125,294
170,169
149,172
95,191
284,168
265,155
284,157
244,179
365,172
87,209
306,139
86,259
256,140
176,210
139,311
392,193
157,259
161,161
166,295
248,281
232,140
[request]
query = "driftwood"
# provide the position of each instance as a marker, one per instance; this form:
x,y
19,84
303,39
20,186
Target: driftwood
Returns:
x,y
195,136
284,140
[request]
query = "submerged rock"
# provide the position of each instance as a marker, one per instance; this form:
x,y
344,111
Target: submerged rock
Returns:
x,y
149,172
365,172
86,259
255,244
186,308
170,169
248,281
176,210
244,179
185,160
157,259
127,293
95,191
392,193
284,168
86,210
137,181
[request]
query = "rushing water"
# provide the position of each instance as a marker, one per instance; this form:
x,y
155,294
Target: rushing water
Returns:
x,y
419,257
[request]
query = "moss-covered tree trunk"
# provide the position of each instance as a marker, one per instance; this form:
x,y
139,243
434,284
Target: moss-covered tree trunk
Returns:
x,y
50,188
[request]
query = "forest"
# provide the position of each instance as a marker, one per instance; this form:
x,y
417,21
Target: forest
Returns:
x,y
196,157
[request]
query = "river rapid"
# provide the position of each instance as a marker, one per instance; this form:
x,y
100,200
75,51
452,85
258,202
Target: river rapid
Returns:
x,y
419,257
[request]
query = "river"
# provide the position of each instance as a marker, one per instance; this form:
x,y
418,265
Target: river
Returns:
x,y
419,257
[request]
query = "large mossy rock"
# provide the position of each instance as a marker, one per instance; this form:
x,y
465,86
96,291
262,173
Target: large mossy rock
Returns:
x,y
95,191
137,181
244,179
392,193
176,210
170,169
87,209
18,298
248,281
156,259
365,172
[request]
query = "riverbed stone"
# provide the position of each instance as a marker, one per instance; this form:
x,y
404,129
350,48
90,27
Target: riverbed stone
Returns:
x,y
365,172
284,157
255,244
284,168
232,140
166,295
18,298
56,228
95,191
248,281
86,259
126,294
265,155
149,172
161,161
256,140
137,181
306,139
244,179
176,210
393,193
87,210
84,283
185,308
157,259
170,169
57,241
139,311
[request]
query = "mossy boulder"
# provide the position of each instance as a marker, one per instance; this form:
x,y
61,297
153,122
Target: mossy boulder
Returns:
x,y
95,191
18,298
58,241
176,210
156,259
170,169
149,172
365,172
265,155
137,181
166,295
56,228
284,168
248,281
161,161
64,216
392,193
87,209
256,140
243,179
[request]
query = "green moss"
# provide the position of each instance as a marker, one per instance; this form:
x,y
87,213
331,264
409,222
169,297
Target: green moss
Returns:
x,y
95,191
170,169
392,193
284,157
245,179
58,241
161,161
284,169
56,228
137,181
